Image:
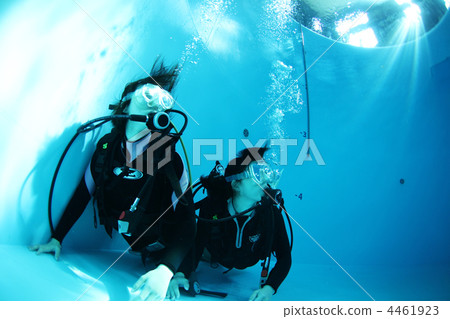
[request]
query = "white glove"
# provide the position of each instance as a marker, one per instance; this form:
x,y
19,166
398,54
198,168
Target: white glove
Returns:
x,y
263,294
52,246
178,280
154,284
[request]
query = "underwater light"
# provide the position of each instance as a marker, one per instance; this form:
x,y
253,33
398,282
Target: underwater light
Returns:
x,y
371,23
412,12
365,38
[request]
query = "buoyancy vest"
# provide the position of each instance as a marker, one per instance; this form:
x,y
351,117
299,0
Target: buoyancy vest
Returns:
x,y
108,172
256,237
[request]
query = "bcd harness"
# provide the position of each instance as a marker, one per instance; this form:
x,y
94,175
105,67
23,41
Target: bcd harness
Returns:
x,y
102,169
103,160
276,206
274,200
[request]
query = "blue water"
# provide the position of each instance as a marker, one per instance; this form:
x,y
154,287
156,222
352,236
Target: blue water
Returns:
x,y
377,117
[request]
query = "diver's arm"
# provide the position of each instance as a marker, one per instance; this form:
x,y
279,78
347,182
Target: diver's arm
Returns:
x,y
283,254
192,259
189,264
184,225
155,284
184,231
73,211
203,234
76,206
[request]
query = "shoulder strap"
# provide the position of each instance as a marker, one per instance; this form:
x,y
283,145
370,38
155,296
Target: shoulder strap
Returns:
x,y
169,169
129,220
101,166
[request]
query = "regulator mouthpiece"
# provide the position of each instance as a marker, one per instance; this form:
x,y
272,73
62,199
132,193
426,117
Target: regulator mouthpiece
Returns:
x,y
158,121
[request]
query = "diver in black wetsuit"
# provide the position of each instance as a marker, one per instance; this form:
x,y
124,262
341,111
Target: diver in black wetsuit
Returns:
x,y
166,226
242,241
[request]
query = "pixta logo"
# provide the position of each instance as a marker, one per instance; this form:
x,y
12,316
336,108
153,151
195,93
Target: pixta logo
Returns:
x,y
158,154
150,157
307,152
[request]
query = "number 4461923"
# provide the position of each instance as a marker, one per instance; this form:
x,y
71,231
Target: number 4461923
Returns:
x,y
414,310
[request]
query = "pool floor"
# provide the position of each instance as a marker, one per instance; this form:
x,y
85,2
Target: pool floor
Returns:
x,y
109,275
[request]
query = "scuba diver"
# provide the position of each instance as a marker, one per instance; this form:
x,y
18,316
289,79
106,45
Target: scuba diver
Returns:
x,y
139,183
240,223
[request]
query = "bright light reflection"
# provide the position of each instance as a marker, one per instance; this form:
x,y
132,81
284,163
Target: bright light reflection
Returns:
x,y
93,293
365,38
317,25
349,22
412,13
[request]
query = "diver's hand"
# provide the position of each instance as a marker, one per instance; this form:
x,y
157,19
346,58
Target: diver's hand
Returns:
x,y
263,294
52,246
153,285
178,280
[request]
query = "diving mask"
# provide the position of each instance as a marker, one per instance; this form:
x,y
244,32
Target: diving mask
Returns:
x,y
156,98
152,101
260,172
150,98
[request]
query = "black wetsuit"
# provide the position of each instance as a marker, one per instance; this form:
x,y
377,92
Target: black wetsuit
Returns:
x,y
175,229
243,241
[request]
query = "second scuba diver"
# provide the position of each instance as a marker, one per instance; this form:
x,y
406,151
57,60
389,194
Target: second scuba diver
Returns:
x,y
240,223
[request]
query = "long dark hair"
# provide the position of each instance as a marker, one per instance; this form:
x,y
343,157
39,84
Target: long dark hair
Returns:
x,y
164,76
